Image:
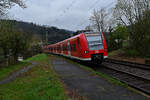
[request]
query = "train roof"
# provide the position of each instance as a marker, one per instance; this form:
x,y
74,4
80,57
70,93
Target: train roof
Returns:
x,y
77,34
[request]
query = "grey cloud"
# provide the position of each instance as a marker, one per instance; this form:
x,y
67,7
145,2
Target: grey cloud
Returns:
x,y
67,14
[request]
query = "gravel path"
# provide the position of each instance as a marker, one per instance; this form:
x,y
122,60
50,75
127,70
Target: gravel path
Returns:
x,y
16,74
91,86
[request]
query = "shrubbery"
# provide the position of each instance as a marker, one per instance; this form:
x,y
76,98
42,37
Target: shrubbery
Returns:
x,y
14,43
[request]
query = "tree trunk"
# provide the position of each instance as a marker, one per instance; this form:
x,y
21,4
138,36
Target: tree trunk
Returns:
x,y
5,58
15,59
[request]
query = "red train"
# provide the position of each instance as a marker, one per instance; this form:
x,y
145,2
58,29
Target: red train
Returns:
x,y
86,46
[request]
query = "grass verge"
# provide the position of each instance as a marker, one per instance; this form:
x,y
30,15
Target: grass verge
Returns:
x,y
110,79
39,57
6,71
40,83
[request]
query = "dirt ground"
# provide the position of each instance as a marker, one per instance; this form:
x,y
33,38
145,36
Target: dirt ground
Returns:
x,y
117,56
137,60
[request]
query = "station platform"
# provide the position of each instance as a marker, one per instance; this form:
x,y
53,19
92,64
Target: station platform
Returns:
x,y
91,86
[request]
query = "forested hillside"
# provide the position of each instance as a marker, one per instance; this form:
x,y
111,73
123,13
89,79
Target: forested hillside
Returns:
x,y
51,34
26,39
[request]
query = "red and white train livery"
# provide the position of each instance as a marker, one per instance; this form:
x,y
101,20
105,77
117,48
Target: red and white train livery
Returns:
x,y
86,46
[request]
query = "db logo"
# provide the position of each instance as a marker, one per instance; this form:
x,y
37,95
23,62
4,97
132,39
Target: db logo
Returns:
x,y
96,51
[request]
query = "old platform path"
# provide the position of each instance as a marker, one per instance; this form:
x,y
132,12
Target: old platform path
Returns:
x,y
89,86
17,73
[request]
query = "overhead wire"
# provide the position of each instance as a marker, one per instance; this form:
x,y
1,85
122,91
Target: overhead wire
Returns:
x,y
65,10
107,6
69,7
90,8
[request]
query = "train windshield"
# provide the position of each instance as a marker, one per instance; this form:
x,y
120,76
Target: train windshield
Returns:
x,y
94,41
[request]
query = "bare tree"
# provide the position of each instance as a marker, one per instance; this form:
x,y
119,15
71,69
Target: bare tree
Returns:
x,y
7,4
99,19
135,14
89,27
130,11
111,21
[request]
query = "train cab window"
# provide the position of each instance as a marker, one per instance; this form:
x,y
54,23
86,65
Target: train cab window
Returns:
x,y
95,41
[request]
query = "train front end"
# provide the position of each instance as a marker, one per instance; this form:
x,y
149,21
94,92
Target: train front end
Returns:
x,y
97,48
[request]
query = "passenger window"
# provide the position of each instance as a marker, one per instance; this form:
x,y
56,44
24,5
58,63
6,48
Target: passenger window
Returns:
x,y
73,47
63,48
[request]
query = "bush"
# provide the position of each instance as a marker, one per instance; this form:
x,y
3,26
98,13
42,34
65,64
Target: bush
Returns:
x,y
131,52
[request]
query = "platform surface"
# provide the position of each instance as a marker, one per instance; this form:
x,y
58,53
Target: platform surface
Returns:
x,y
91,86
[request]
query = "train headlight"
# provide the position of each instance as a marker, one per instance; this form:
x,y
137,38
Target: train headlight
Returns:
x,y
86,51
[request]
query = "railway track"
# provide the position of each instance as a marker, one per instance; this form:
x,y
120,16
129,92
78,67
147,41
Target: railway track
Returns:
x,y
133,74
131,64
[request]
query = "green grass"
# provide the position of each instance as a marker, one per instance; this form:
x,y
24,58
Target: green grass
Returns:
x,y
5,71
125,44
39,57
40,83
115,52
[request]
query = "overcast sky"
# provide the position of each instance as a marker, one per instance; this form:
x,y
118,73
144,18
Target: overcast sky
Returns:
x,y
65,14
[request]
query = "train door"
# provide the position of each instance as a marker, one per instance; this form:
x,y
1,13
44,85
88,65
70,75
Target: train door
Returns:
x,y
68,45
79,47
56,49
61,48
